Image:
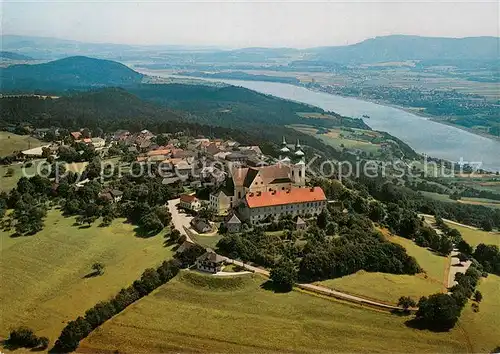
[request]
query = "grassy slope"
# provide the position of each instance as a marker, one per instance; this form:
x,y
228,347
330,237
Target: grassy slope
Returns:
x,y
10,142
483,328
43,276
434,266
183,316
475,237
384,287
390,287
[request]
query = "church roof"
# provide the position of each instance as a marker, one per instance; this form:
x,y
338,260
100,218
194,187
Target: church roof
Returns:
x,y
244,177
292,196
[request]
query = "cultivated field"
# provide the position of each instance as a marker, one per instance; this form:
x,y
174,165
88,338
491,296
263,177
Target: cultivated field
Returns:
x,y
193,314
10,142
45,280
384,287
339,138
483,327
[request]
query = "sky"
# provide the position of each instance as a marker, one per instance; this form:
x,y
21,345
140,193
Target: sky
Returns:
x,y
238,23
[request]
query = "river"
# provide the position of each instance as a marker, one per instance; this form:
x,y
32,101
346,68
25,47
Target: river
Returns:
x,y
423,135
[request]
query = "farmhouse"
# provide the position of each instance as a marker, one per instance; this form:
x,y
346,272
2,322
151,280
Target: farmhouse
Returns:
x,y
295,201
210,262
202,226
190,202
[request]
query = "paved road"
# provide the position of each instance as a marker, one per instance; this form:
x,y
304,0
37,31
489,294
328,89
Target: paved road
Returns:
x,y
320,289
456,267
179,219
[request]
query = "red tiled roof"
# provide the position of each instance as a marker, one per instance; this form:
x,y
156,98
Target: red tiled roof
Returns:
x,y
76,135
186,198
295,195
158,152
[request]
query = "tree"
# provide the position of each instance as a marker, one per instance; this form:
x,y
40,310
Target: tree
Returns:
x,y
98,268
43,343
376,211
284,275
406,302
10,172
464,247
206,213
462,257
438,311
23,337
151,223
487,225
478,296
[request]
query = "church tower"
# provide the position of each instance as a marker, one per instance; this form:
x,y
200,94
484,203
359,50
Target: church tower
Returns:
x,y
299,166
284,152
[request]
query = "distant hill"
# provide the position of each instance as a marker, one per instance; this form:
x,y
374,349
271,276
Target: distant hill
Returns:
x,y
400,48
13,56
68,73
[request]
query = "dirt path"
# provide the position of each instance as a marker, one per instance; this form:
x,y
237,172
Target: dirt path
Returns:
x,y
451,222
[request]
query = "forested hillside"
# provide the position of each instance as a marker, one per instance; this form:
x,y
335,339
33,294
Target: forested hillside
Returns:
x,y
67,73
112,109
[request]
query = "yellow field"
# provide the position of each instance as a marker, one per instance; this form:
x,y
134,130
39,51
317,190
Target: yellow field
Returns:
x,y
43,281
384,287
186,315
483,327
10,142
475,237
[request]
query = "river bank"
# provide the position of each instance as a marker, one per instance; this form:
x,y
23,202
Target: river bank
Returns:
x,y
424,135
410,110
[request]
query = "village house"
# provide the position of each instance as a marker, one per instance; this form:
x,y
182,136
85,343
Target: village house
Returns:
x,y
112,195
236,157
258,206
221,201
190,202
233,225
300,224
210,262
201,226
76,135
98,142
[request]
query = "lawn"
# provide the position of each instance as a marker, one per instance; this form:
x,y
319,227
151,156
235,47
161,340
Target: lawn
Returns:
x,y
44,283
185,315
384,287
475,237
483,327
9,182
434,266
206,241
10,142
